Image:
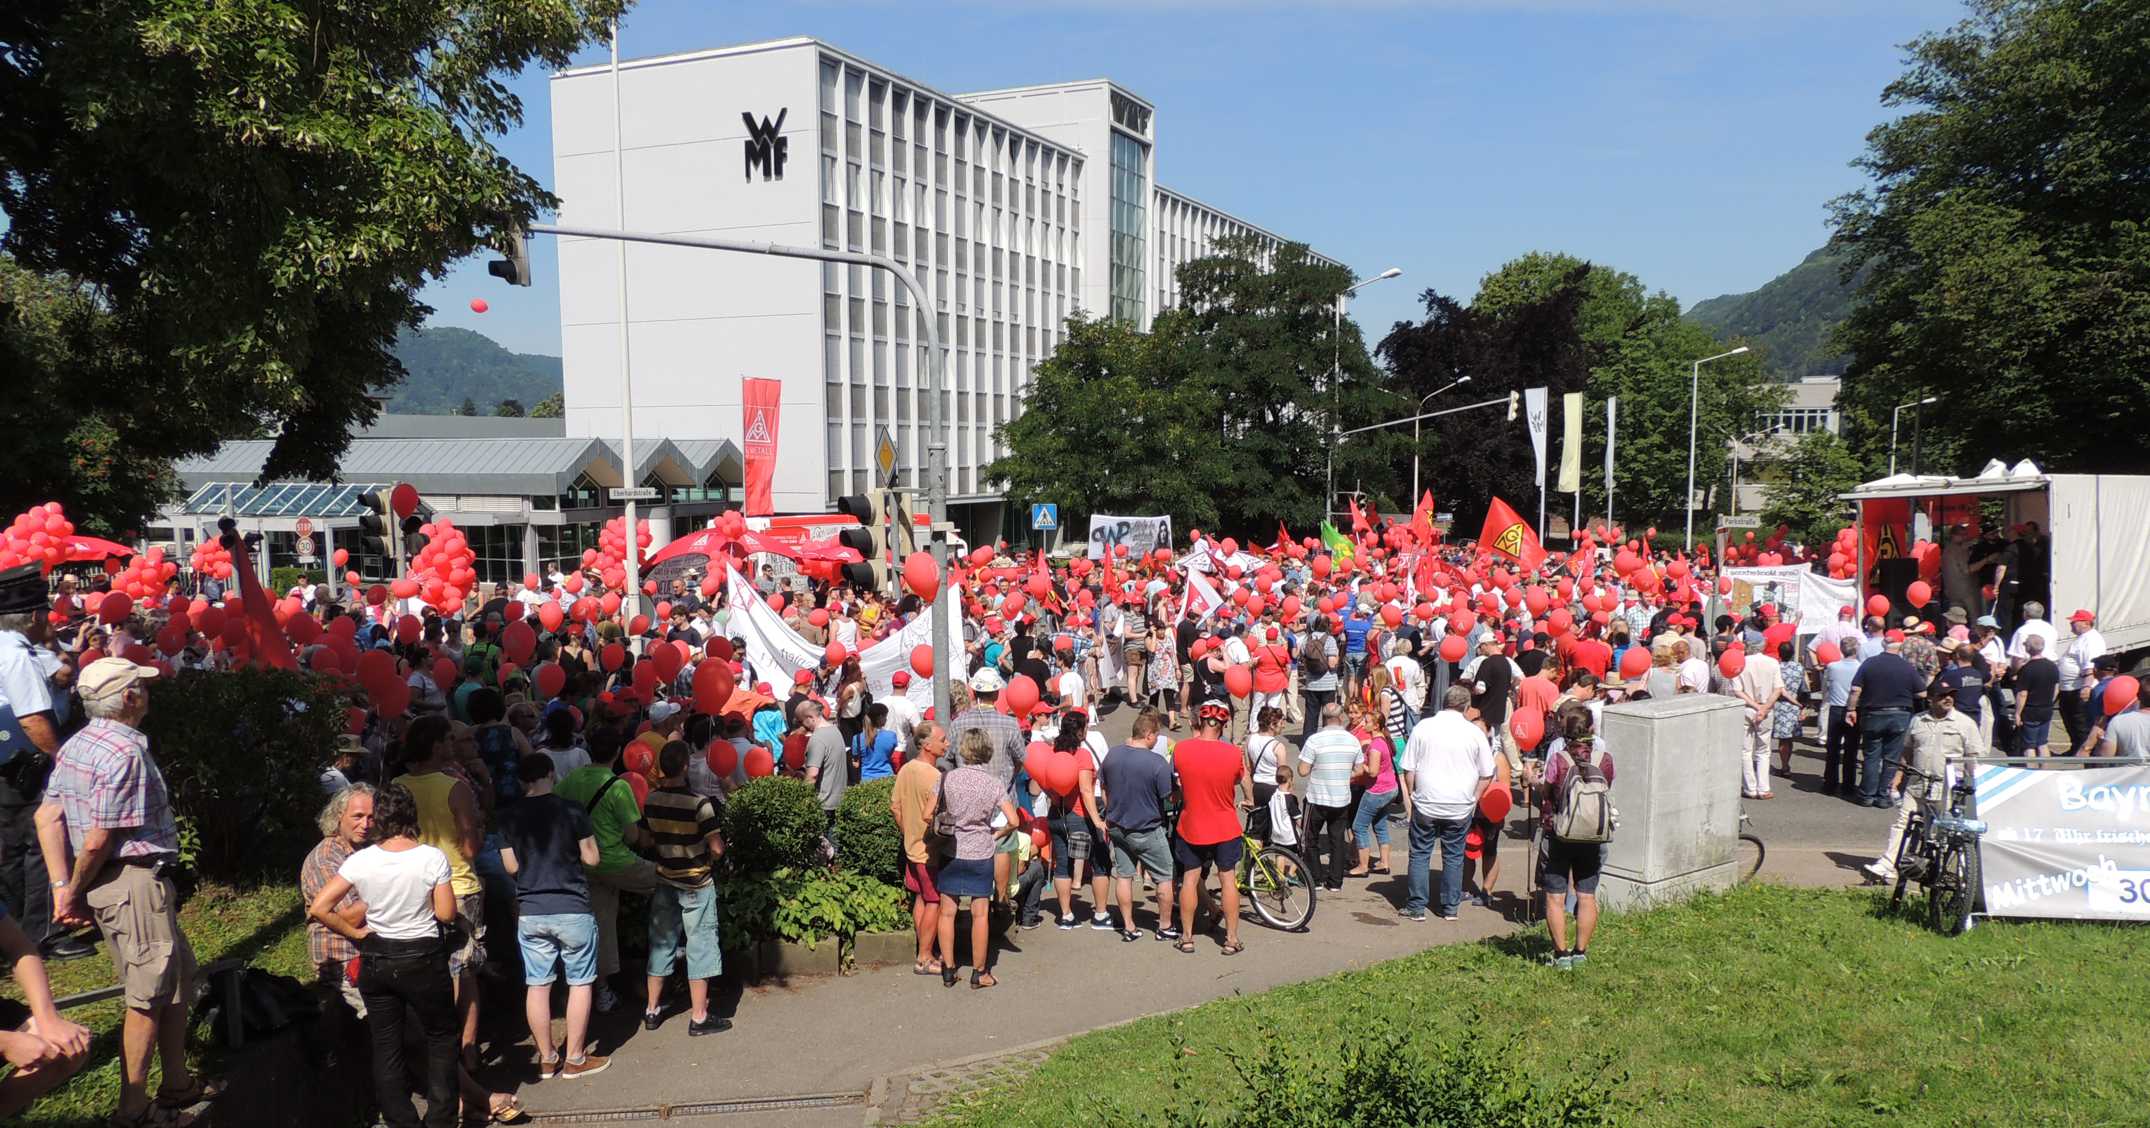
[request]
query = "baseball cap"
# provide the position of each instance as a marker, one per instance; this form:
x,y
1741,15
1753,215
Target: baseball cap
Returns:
x,y
2082,615
662,711
987,681
803,677
1989,621
107,676
900,679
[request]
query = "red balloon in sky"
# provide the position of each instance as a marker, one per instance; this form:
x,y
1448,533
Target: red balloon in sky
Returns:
x,y
478,305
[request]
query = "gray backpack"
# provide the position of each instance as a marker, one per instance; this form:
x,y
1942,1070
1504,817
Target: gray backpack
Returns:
x,y
1583,810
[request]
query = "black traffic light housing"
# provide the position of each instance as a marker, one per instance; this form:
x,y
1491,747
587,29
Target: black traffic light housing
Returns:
x,y
515,268
373,525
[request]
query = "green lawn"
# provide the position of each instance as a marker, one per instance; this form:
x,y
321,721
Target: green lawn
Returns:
x,y
1767,1006
264,926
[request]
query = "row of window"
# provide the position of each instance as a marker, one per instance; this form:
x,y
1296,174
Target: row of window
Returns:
x,y
1185,232
1800,420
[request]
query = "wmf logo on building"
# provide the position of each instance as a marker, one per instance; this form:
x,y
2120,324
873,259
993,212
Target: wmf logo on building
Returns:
x,y
766,149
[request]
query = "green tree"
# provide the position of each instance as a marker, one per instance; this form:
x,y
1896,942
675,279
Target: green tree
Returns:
x,y
84,415
2006,241
551,407
1805,484
1104,427
509,409
469,407
257,189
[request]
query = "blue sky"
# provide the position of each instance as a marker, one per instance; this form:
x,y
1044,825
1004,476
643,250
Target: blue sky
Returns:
x,y
1691,143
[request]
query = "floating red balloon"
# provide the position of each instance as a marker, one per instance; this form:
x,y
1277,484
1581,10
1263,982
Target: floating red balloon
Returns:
x,y
1918,593
1238,681
2120,693
478,305
1732,663
723,757
1877,604
1634,663
759,763
1453,648
922,661
1021,694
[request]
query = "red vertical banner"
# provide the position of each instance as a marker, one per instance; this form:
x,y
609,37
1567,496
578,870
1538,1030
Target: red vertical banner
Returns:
x,y
760,401
1886,528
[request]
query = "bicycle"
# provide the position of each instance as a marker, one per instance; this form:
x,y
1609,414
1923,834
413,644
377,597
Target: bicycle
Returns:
x,y
1940,852
1276,880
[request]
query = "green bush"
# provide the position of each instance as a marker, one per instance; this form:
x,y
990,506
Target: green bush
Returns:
x,y
242,752
868,841
773,823
807,906
1382,1075
282,580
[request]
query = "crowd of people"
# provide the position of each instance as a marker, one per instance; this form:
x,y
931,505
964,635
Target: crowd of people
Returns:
x,y
522,770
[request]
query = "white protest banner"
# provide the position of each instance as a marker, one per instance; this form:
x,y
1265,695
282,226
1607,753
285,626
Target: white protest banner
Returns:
x,y
775,652
1806,597
1141,535
880,661
2065,843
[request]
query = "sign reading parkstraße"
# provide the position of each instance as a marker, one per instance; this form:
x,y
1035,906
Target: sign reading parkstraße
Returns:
x,y
2065,843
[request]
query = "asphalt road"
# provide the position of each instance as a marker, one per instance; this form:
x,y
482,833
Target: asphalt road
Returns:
x,y
837,1035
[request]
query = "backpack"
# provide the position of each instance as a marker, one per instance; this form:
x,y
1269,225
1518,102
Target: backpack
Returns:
x,y
1583,810
1314,657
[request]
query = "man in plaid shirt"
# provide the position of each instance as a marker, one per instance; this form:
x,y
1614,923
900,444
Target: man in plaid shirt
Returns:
x,y
1007,736
346,824
106,807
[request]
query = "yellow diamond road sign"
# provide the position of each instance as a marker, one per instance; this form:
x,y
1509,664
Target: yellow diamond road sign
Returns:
x,y
884,456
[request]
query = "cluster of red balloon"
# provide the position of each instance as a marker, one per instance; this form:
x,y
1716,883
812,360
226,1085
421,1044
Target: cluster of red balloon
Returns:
x,y
609,558
211,558
441,573
37,535
1056,772
145,575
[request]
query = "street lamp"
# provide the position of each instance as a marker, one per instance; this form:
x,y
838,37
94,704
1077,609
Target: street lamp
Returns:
x,y
1893,417
1336,372
1414,432
1694,414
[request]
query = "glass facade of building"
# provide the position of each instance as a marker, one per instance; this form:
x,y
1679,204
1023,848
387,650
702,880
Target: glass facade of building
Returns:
x,y
1130,209
987,218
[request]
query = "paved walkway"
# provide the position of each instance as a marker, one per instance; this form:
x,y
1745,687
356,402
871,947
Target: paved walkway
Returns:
x,y
876,1038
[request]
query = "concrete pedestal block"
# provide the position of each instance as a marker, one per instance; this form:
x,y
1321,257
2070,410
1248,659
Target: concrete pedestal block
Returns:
x,y
1676,784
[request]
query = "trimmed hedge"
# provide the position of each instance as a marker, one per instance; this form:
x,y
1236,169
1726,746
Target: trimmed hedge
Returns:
x,y
868,841
773,823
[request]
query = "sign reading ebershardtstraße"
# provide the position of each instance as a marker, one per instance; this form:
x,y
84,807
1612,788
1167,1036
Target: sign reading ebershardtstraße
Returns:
x,y
2065,843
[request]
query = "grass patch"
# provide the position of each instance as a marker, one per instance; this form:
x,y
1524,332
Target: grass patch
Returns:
x,y
264,926
1764,1006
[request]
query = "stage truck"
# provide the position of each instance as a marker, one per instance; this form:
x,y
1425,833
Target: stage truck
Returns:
x,y
2081,541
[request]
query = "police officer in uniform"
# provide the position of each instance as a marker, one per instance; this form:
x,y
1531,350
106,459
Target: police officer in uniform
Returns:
x,y
29,735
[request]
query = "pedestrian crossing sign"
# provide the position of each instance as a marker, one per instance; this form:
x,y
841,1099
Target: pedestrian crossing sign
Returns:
x,y
1044,516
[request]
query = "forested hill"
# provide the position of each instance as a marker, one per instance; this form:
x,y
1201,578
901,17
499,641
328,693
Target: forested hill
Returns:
x,y
450,366
1792,314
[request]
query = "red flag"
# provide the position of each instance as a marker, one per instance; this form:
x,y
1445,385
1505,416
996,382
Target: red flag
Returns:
x,y
1358,520
270,645
1507,534
1283,544
1422,519
760,402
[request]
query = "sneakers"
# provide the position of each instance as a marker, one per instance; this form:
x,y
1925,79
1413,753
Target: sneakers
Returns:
x,y
1881,869
548,1068
1067,923
608,1000
1575,959
1102,922
1415,915
651,1019
1033,920
1560,961
1170,935
710,1025
590,1064
68,948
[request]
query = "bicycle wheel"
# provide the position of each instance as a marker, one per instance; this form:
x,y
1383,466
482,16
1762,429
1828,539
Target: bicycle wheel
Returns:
x,y
1278,883
1953,889
1751,852
1906,859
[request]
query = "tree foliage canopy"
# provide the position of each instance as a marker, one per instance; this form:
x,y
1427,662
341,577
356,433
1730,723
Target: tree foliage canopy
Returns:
x,y
255,190
2006,239
1805,484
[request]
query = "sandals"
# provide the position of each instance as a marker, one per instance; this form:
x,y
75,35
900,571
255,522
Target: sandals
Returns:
x,y
948,976
1184,947
980,980
931,967
503,1108
1231,948
203,1089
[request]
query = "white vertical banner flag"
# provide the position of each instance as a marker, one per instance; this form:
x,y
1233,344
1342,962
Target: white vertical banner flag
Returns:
x,y
1571,443
1612,428
1534,412
775,652
880,661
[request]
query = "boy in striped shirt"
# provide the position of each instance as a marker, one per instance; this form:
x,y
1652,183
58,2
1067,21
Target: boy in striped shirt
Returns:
x,y
688,839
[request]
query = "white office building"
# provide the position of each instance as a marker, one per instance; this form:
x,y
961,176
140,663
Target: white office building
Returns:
x,y
1013,208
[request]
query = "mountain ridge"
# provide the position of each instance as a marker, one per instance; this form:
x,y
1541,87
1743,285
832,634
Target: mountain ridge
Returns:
x,y
444,366
1792,316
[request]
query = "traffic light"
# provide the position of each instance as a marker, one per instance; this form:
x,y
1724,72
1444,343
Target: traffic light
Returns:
x,y
375,527
412,540
515,268
1515,401
869,540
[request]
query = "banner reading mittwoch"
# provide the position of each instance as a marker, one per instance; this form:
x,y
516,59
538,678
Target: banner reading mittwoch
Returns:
x,y
2065,843
1141,535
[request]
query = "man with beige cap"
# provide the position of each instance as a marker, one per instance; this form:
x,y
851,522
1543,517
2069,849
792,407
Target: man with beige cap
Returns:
x,y
106,807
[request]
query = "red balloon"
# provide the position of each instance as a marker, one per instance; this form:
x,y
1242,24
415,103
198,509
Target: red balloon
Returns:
x,y
550,679
2120,693
1634,663
639,784
403,499
1453,648
444,672
114,607
1732,663
1021,694
1918,593
1828,653
1238,681
550,616
922,576
724,757
665,660
638,758
759,762
922,661
478,305
611,656
340,557
834,653
713,687
1528,728
518,642
1877,604
407,629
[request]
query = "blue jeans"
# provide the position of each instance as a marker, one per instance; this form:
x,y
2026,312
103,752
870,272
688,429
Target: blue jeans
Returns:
x,y
1449,833
674,911
1882,731
1368,826
552,939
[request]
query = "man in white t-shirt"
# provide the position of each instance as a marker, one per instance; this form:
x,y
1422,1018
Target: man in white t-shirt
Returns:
x,y
902,711
1069,685
2034,623
2076,678
1447,766
1409,676
1695,664
529,599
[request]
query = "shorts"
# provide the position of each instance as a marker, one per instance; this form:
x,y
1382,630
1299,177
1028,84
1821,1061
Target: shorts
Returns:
x,y
137,911
2033,734
1224,855
1560,861
684,918
1061,825
1141,849
918,878
1134,653
550,939
470,916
